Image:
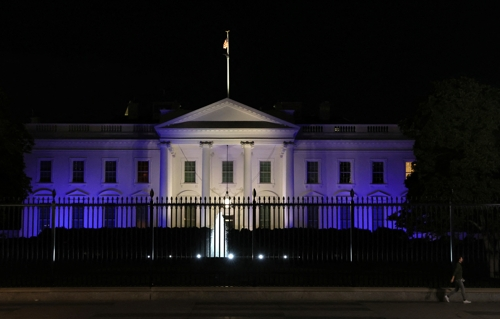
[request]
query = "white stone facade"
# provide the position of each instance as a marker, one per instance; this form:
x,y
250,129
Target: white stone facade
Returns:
x,y
223,131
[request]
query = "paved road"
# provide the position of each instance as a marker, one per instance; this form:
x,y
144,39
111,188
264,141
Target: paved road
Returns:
x,y
247,310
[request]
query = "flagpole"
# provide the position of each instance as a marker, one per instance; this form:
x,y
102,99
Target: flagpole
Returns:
x,y
227,58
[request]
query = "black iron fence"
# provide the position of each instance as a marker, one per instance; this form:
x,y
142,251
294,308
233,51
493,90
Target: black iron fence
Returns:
x,y
238,241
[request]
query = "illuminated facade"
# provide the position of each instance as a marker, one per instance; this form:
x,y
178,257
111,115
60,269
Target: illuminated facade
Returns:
x,y
223,146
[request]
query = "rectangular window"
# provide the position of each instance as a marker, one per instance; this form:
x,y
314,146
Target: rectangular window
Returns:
x,y
408,169
264,217
265,172
312,217
45,171
377,217
44,217
109,216
141,216
142,172
345,173
189,172
77,217
377,172
78,171
312,172
190,216
110,172
227,171
344,216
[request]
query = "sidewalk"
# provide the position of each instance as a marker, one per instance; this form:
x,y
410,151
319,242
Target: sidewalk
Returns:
x,y
251,294
223,309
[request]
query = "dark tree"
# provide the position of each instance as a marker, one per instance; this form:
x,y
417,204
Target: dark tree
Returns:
x,y
457,151
15,141
457,147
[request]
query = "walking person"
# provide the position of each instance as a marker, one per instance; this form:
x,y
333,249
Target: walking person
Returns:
x,y
459,282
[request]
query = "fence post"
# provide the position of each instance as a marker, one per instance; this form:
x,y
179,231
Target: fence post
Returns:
x,y
451,229
53,224
151,224
351,222
254,205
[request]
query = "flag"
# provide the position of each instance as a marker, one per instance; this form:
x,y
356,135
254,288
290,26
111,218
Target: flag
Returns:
x,y
226,44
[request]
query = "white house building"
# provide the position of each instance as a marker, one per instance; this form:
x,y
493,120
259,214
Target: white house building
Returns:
x,y
223,147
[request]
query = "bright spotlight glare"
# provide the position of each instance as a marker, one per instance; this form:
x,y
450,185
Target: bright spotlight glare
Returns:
x,y
198,256
261,256
285,257
230,256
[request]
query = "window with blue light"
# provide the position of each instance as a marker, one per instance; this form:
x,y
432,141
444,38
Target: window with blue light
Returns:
x,y
313,217
345,173
110,216
377,172
77,216
143,171
44,213
45,172
78,171
312,172
344,213
110,171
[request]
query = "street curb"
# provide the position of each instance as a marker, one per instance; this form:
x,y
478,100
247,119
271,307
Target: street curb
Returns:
x,y
271,294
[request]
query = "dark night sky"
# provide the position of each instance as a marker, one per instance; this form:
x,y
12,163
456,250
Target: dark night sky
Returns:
x,y
373,60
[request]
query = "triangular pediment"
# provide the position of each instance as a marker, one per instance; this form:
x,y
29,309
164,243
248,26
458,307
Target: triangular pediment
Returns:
x,y
227,110
379,193
226,118
77,192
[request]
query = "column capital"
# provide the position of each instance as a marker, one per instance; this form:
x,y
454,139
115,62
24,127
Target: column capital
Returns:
x,y
168,146
287,144
206,144
164,144
247,143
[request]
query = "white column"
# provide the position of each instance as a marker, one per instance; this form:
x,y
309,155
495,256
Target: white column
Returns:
x,y
205,179
288,169
247,169
164,170
288,180
205,169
